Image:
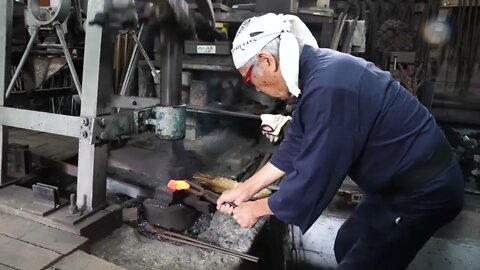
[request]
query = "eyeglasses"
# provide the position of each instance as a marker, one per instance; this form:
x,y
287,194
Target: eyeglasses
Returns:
x,y
248,77
267,128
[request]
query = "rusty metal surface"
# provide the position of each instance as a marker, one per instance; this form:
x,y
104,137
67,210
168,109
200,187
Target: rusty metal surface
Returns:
x,y
170,122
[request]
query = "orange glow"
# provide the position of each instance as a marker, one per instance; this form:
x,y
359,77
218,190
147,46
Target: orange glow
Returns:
x,y
175,185
44,3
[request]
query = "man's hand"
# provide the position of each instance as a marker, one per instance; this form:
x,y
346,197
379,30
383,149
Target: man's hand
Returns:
x,y
244,215
272,125
237,196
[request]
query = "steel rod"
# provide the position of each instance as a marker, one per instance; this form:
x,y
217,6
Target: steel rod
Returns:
x,y
147,58
191,108
179,240
203,245
128,75
187,240
22,61
73,71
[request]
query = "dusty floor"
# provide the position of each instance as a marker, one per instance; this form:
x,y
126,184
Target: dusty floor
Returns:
x,y
129,249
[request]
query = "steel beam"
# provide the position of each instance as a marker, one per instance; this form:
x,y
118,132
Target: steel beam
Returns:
x,y
6,24
97,90
59,124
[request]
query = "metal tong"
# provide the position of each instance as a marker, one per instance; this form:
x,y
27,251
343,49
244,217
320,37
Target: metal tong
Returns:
x,y
205,193
180,238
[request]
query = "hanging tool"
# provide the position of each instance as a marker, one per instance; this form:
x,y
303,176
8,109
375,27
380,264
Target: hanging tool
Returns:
x,y
347,43
177,185
338,30
180,238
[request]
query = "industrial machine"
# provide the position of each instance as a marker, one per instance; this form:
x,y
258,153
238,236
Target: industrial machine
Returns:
x,y
102,118
135,93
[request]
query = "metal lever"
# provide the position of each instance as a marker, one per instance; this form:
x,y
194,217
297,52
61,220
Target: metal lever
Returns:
x,y
128,76
145,56
68,57
22,61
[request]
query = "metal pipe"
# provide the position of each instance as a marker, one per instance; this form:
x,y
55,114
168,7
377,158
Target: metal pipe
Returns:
x,y
145,55
171,72
133,59
73,71
191,108
22,61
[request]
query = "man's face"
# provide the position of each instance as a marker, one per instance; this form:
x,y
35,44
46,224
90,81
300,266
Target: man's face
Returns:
x,y
269,80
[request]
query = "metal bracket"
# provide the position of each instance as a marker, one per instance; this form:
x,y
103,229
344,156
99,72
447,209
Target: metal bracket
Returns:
x,y
168,123
111,127
45,200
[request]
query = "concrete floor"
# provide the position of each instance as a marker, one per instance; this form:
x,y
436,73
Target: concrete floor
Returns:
x,y
27,245
455,246
131,250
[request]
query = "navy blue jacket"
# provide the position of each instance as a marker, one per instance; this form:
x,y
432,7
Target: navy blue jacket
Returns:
x,y
352,119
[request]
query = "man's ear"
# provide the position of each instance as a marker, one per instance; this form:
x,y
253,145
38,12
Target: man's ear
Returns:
x,y
268,61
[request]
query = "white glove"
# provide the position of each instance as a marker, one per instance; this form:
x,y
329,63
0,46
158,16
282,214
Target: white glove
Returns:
x,y
272,125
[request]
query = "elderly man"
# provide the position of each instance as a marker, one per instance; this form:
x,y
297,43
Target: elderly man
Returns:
x,y
351,119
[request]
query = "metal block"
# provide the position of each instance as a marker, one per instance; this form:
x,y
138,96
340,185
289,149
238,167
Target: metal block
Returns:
x,y
170,122
45,194
45,200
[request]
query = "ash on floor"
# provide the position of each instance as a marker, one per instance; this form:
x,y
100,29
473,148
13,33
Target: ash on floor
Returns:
x,y
129,249
201,225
